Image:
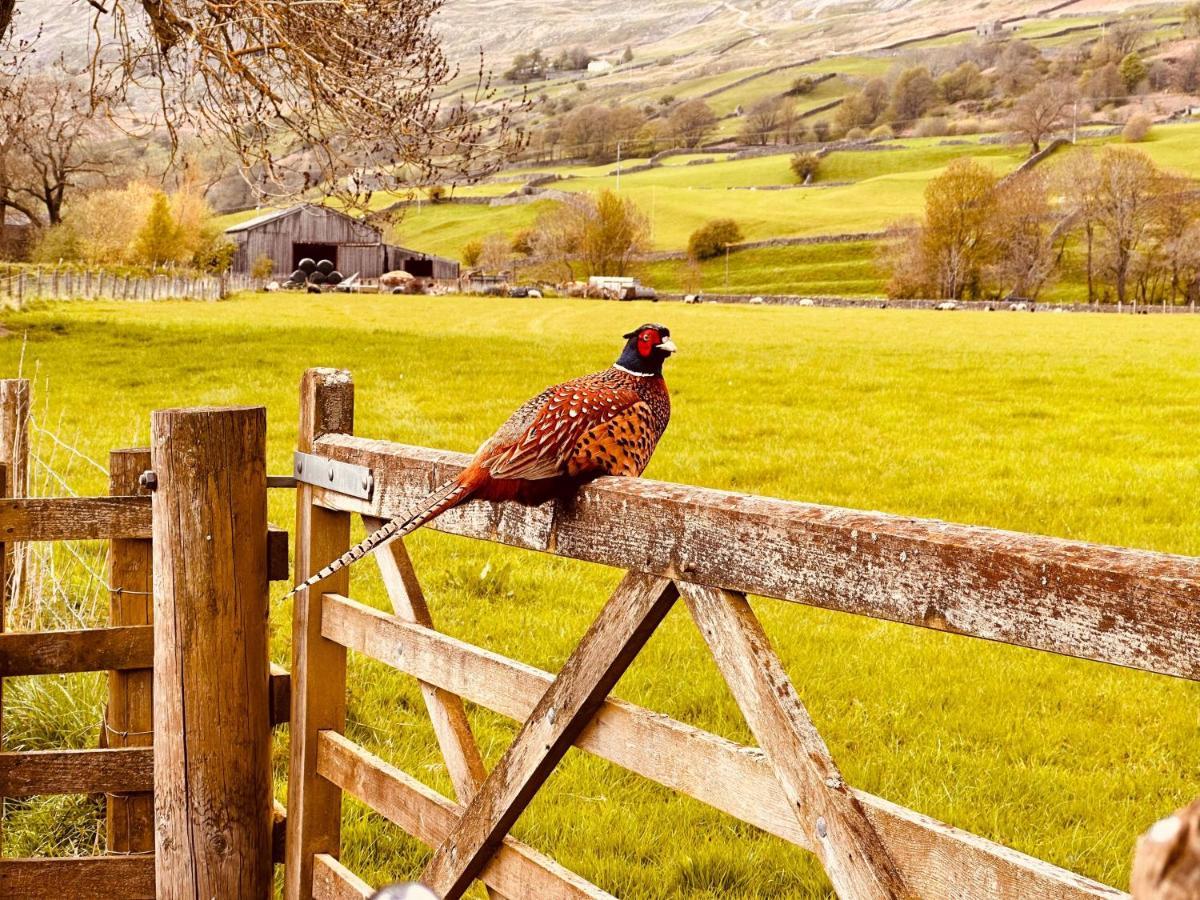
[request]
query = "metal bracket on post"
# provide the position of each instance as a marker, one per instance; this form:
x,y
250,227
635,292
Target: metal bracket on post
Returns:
x,y
341,477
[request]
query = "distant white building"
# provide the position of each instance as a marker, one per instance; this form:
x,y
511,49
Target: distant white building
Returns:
x,y
599,67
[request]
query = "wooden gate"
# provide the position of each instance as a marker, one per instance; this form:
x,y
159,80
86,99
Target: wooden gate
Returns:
x,y
190,814
1124,607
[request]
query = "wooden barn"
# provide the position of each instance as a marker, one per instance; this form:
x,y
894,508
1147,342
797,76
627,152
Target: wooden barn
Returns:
x,y
318,232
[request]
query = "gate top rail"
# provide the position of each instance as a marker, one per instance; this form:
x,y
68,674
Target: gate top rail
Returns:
x,y
1133,608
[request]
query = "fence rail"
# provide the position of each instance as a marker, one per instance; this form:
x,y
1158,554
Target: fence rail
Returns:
x,y
68,284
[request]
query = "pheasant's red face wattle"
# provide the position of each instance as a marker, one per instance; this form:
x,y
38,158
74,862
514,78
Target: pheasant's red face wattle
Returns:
x,y
647,341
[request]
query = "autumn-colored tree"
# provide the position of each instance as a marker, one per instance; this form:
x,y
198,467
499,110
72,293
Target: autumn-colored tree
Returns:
x,y
713,238
1126,35
966,82
159,241
691,122
1042,111
805,166
913,94
591,235
471,251
495,253
1191,20
958,237
856,111
1103,84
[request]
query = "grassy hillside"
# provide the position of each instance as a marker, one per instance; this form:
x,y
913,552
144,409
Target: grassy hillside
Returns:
x,y
1063,425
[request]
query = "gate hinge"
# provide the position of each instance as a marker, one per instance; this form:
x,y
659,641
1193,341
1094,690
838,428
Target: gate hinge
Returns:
x,y
344,478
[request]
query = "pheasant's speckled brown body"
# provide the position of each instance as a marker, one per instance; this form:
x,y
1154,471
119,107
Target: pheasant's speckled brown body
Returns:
x,y
608,423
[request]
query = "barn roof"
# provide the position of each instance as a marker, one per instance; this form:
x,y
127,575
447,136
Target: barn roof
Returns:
x,y
276,215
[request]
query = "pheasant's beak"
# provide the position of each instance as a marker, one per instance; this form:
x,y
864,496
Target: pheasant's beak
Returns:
x,y
668,346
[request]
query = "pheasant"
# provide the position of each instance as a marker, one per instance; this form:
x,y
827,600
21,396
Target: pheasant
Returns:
x,y
607,423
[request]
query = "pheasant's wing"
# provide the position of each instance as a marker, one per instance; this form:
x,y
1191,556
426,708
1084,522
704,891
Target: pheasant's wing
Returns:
x,y
542,437
622,445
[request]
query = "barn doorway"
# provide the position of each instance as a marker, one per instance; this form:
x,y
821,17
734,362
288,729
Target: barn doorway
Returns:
x,y
315,252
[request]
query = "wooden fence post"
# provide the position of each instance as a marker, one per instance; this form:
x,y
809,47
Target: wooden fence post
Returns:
x,y
318,664
212,748
14,452
3,606
128,721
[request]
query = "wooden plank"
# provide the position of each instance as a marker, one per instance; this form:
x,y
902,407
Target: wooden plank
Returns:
x,y
83,877
318,665
612,642
516,870
129,716
281,695
279,567
212,748
446,712
333,881
76,771
939,861
74,518
86,650
834,821
1127,607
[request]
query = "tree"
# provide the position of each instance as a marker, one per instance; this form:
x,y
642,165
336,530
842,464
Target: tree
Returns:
x,y
691,122
1126,35
592,235
761,123
957,240
627,56
1133,72
912,95
1041,112
160,240
965,82
1137,128
1185,74
347,87
856,111
805,84
1191,20
1024,225
1103,84
790,124
526,67
495,254
805,166
1126,187
711,240
471,252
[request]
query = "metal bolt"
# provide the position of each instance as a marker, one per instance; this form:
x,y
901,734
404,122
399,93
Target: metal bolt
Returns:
x,y
148,480
366,482
553,715
821,829
331,471
299,466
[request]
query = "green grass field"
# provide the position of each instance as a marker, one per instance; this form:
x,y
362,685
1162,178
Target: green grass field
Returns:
x,y
1077,426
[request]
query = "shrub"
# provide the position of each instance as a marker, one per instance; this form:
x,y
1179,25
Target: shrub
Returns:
x,y
263,268
883,133
60,243
805,166
805,84
436,193
820,131
1137,128
523,240
856,134
967,126
160,239
471,252
934,126
710,239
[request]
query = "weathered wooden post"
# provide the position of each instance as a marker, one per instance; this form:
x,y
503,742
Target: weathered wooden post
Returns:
x,y
14,452
318,664
3,605
212,750
129,717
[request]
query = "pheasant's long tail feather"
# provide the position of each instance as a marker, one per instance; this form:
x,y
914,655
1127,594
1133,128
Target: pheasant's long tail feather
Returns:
x,y
446,497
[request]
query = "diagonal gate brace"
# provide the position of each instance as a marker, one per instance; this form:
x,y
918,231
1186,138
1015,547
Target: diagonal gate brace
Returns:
x,y
616,637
